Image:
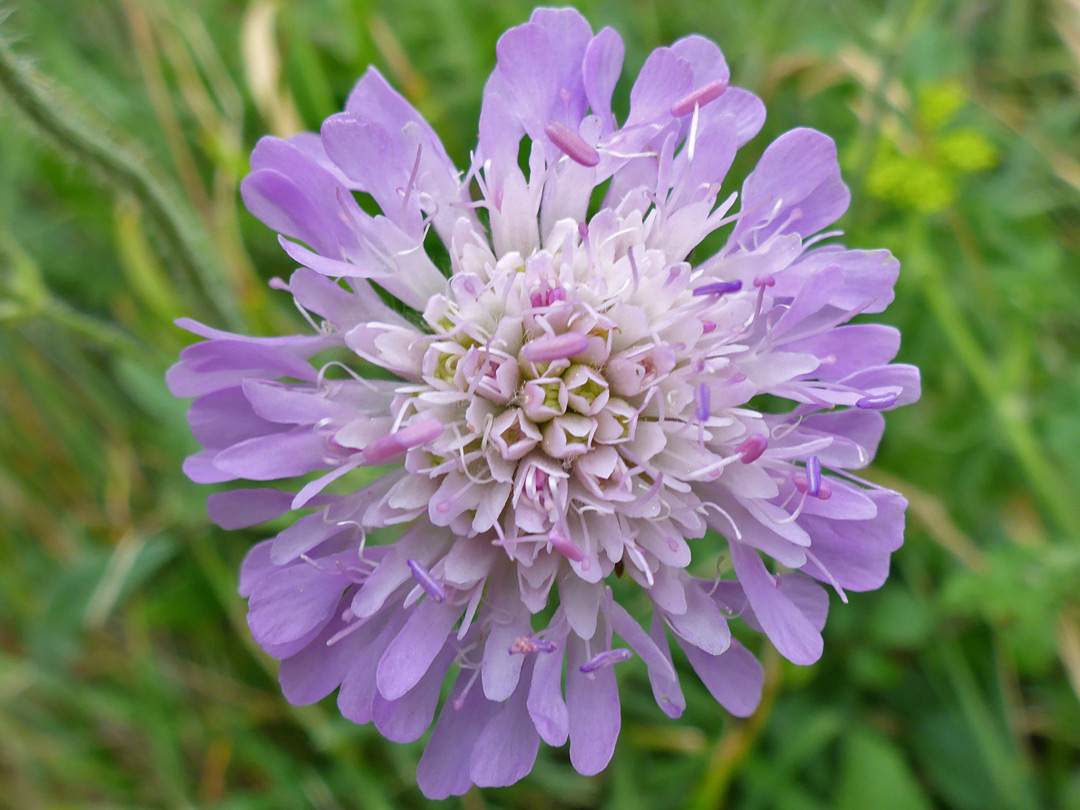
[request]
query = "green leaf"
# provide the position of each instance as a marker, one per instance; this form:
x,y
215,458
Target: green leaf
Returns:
x,y
874,774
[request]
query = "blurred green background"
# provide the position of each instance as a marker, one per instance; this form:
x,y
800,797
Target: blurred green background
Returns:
x,y
127,679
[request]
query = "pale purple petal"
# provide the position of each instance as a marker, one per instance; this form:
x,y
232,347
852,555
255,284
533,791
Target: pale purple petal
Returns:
x,y
356,699
241,508
665,688
224,418
444,768
663,80
411,654
734,678
600,72
788,628
626,627
293,601
255,567
547,708
318,669
409,716
798,172
856,553
527,64
279,455
592,701
507,747
702,625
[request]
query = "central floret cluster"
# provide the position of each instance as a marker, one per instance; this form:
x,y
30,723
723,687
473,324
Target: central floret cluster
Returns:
x,y
565,400
574,398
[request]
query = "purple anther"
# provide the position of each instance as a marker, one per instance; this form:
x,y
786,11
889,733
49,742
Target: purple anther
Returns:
x,y
813,476
877,402
557,347
703,412
562,544
719,288
751,448
699,98
571,144
423,577
604,659
708,326
391,444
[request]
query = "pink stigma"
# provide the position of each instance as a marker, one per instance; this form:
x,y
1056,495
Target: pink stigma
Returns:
x,y
558,347
699,98
752,448
571,144
414,435
564,546
802,484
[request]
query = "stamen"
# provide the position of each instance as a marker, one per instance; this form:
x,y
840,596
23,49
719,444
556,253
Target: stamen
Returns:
x,y
556,347
459,702
634,553
651,493
877,402
699,98
752,448
719,288
571,144
414,435
523,645
634,268
434,588
813,476
691,142
562,544
412,180
608,658
703,410
583,232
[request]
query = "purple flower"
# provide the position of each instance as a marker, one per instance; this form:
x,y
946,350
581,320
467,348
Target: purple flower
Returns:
x,y
572,400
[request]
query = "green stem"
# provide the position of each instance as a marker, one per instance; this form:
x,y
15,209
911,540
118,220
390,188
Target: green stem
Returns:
x,y
117,162
97,331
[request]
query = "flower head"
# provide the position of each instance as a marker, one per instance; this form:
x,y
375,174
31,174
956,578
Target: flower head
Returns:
x,y
570,400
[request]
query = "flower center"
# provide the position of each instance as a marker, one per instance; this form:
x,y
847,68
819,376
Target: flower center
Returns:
x,y
562,380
